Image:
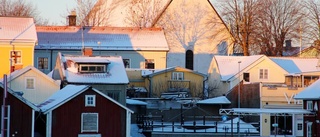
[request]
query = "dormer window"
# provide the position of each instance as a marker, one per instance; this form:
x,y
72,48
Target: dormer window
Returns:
x,y
85,68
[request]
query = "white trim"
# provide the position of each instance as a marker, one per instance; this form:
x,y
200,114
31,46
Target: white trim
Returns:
x,y
177,76
8,120
49,124
93,101
128,124
309,107
308,126
82,115
89,135
32,123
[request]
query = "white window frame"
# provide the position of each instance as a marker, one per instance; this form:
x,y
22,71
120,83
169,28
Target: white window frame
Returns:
x,y
26,83
309,129
89,135
177,76
265,74
92,71
87,100
20,57
309,105
82,122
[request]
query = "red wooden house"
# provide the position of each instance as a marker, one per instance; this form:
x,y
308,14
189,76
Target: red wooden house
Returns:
x,y
19,114
81,111
311,102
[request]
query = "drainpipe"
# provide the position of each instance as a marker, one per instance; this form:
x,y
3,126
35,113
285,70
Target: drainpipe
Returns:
x,y
203,85
150,86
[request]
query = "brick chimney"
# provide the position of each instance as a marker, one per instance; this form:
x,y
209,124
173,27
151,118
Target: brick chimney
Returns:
x,y
87,51
72,18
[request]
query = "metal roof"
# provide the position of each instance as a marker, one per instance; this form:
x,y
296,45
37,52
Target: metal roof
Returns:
x,y
101,38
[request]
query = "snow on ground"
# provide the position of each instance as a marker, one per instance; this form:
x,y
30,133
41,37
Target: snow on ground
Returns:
x,y
211,126
135,131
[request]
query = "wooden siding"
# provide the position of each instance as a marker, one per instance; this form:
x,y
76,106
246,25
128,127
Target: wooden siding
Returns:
x,y
43,89
137,58
26,56
66,119
160,83
20,116
312,118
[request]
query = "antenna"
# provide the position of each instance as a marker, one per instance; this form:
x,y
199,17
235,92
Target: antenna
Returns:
x,y
82,28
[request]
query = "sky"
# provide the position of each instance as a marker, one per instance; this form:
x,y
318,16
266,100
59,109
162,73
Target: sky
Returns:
x,y
54,10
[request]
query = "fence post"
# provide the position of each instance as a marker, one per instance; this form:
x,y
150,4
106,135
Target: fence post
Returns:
x,y
216,126
162,122
172,126
194,126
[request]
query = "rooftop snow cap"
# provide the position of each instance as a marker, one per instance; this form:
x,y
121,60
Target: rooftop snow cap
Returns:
x,y
72,18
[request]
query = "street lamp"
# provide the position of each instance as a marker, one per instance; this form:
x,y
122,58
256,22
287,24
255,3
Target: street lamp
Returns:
x,y
239,62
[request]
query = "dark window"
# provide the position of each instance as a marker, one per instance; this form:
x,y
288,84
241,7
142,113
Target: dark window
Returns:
x,y
16,57
246,77
92,68
42,63
189,59
126,63
149,63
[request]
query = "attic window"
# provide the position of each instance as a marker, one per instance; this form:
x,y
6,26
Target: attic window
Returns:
x,y
90,100
92,68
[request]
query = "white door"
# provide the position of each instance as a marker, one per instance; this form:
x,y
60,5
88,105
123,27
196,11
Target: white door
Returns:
x,y
309,129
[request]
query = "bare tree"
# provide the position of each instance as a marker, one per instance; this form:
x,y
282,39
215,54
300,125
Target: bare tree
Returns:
x,y
95,12
281,20
185,25
313,22
241,16
143,13
20,8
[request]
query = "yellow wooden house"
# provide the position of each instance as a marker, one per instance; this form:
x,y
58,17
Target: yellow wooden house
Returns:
x,y
18,38
174,79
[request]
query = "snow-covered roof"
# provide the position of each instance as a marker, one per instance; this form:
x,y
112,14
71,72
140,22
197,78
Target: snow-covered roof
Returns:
x,y
15,29
296,64
115,74
156,72
67,93
270,111
20,72
228,65
311,92
19,97
101,38
215,100
135,102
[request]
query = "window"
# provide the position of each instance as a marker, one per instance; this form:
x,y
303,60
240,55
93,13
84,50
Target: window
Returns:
x,y
177,76
42,63
90,101
246,77
126,63
29,83
149,63
92,68
89,122
263,74
309,105
16,57
299,126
